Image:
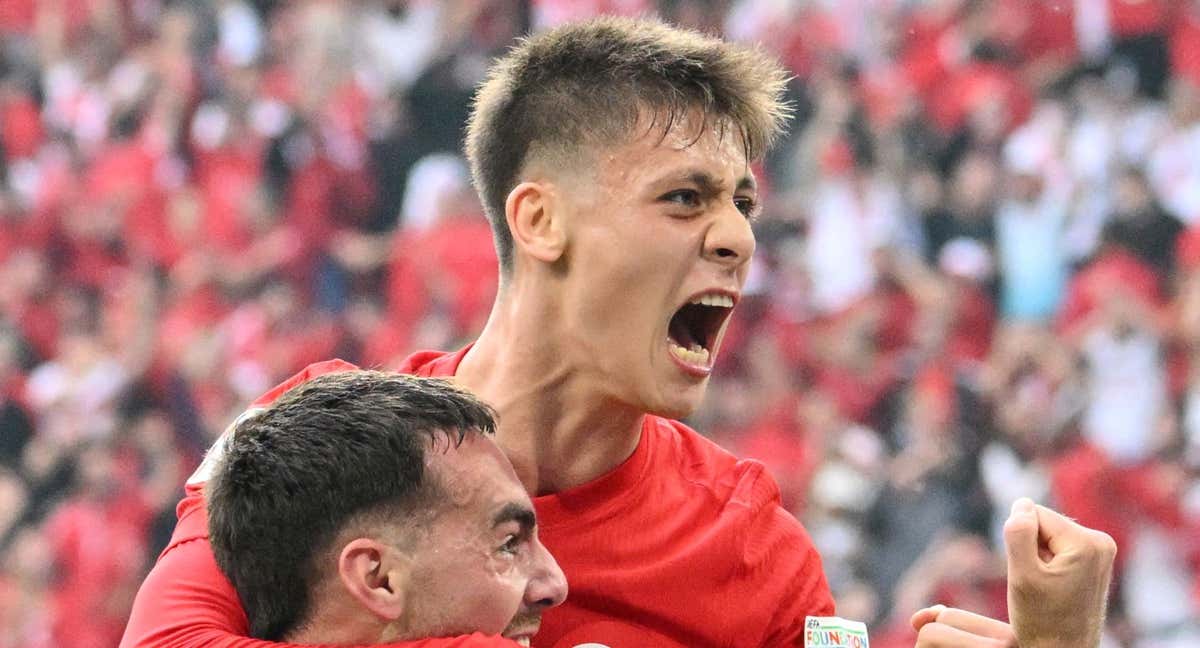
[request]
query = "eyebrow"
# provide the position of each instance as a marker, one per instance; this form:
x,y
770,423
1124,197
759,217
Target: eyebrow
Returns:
x,y
709,184
519,513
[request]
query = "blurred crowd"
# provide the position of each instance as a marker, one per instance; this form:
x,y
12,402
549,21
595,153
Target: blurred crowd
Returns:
x,y
978,274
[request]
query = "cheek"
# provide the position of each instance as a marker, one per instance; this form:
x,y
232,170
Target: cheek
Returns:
x,y
743,272
496,598
626,278
462,588
470,596
618,305
613,265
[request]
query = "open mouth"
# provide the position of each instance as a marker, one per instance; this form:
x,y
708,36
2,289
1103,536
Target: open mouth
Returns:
x,y
694,328
522,633
523,638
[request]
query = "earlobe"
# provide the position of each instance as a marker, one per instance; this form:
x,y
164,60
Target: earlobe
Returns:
x,y
536,226
375,575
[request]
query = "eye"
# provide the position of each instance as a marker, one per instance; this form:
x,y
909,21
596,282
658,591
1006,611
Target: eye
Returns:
x,y
511,544
747,205
689,198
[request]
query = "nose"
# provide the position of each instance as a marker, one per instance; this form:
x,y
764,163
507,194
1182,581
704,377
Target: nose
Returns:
x,y
548,585
730,240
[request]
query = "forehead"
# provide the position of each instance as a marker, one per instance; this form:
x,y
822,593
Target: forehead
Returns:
x,y
476,475
714,146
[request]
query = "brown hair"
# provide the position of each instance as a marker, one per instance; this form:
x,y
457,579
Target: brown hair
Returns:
x,y
590,82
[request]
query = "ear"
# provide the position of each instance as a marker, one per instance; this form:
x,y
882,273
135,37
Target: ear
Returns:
x,y
535,223
376,575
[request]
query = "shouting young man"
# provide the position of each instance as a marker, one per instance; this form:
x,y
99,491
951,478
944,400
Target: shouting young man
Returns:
x,y
613,158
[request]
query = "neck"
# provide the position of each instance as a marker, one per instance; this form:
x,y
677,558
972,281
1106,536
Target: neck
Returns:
x,y
558,425
336,624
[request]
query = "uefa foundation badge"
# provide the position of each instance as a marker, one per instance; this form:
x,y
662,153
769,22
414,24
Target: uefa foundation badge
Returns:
x,y
834,632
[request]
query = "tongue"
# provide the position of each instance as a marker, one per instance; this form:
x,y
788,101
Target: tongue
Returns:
x,y
680,334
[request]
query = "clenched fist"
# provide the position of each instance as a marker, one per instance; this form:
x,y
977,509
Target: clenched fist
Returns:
x,y
1058,577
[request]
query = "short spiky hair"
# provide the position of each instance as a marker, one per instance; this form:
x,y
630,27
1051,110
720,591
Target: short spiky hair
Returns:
x,y
588,83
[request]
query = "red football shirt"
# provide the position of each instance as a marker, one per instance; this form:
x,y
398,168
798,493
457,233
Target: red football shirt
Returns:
x,y
681,545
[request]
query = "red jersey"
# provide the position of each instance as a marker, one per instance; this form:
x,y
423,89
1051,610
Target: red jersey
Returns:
x,y
681,545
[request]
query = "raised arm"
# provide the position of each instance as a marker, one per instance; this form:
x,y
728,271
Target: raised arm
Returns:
x,y
1058,578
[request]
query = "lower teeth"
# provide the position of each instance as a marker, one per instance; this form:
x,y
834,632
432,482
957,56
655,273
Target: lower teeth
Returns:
x,y
697,355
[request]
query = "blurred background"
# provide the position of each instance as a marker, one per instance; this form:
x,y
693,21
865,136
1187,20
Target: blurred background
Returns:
x,y
978,274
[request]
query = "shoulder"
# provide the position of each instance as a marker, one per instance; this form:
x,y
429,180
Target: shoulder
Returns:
x,y
769,549
432,363
418,363
701,462
743,490
184,591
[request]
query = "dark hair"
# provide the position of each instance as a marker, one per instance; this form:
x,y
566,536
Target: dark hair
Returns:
x,y
344,448
590,82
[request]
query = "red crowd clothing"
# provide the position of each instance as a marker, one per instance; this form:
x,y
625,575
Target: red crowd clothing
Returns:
x,y
1138,17
1091,285
681,545
1116,499
1050,31
970,87
452,262
21,129
99,550
1185,46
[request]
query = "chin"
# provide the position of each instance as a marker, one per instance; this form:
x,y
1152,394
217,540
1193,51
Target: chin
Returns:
x,y
679,404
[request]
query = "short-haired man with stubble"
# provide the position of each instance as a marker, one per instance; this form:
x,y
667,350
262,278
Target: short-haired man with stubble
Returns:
x,y
365,506
613,159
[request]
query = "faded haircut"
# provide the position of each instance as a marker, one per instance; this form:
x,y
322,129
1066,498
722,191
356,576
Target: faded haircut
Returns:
x,y
342,452
589,83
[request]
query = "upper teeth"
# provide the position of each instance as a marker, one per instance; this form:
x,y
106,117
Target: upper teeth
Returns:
x,y
724,301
